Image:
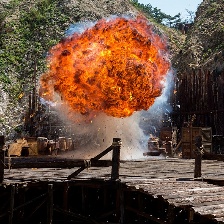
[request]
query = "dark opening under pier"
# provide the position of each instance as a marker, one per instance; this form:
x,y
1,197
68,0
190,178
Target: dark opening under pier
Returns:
x,y
159,190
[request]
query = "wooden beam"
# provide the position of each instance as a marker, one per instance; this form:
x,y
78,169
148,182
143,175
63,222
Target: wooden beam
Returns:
x,y
116,158
46,162
94,159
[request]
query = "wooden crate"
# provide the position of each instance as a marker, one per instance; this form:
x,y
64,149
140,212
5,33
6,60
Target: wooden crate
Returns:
x,y
188,150
207,147
206,134
189,133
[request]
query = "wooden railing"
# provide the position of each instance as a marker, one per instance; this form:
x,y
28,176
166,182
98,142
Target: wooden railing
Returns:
x,y
58,162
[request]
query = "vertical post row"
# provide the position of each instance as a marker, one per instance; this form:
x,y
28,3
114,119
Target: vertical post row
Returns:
x,y
2,158
116,158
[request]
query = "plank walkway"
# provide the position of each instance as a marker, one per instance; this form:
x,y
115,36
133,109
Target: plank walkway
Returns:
x,y
170,179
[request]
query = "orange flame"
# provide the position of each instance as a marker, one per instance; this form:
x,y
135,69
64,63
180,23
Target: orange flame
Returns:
x,y
116,67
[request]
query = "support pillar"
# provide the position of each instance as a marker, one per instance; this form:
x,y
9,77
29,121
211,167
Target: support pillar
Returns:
x,y
198,156
116,158
50,204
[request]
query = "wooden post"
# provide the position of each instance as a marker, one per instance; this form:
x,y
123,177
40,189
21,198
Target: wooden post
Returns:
x,y
84,200
50,204
116,158
2,158
140,207
11,208
65,200
198,156
170,214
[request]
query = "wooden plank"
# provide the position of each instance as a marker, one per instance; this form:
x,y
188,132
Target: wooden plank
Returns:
x,y
46,162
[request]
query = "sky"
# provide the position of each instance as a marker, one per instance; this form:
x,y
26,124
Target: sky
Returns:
x,y
173,7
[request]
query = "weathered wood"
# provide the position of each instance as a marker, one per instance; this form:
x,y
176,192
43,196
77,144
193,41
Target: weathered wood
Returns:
x,y
50,204
65,199
84,200
116,159
46,162
169,179
170,214
200,92
198,157
120,203
11,208
88,163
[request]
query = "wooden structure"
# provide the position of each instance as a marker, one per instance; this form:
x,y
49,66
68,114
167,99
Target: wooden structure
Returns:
x,y
200,92
188,137
148,191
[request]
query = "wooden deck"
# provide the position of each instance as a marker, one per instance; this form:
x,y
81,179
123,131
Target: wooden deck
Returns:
x,y
168,179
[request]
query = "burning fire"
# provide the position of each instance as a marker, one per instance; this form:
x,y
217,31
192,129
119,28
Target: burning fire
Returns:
x,y
116,67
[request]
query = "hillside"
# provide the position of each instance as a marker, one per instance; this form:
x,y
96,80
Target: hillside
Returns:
x,y
204,45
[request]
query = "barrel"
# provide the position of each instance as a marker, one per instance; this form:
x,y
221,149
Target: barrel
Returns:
x,y
62,144
41,145
69,143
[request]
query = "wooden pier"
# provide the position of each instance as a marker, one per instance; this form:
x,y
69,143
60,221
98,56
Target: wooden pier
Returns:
x,y
153,190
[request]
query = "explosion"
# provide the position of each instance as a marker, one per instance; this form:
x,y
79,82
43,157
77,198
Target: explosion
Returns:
x,y
118,66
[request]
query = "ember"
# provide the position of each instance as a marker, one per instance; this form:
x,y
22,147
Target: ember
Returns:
x,y
116,67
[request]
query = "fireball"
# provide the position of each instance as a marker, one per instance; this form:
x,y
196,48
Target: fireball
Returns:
x,y
117,67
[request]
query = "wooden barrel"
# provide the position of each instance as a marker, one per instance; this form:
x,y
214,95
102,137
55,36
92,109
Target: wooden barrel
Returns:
x,y
41,145
25,151
62,144
69,143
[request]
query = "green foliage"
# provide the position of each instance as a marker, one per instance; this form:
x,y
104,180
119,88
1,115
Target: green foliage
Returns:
x,y
12,4
25,40
5,79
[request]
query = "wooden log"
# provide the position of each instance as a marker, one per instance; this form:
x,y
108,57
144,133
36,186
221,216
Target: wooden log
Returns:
x,y
84,200
46,162
11,207
65,200
170,214
94,159
198,157
120,203
116,159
